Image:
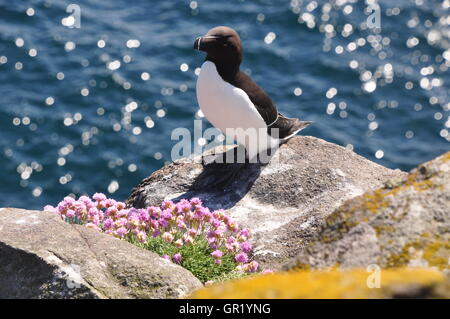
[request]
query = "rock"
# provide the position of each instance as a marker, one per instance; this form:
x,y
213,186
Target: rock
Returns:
x,y
42,256
335,284
283,203
404,223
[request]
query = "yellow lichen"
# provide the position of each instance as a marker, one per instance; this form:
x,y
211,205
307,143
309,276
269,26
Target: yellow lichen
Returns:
x,y
436,252
375,202
383,229
325,284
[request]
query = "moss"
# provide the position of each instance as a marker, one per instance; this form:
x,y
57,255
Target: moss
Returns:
x,y
328,284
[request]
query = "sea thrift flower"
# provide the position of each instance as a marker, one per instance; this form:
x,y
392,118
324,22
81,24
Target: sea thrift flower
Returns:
x,y
167,204
232,225
121,232
241,258
99,197
253,266
195,201
50,208
178,224
70,213
217,254
216,223
188,240
177,258
245,232
168,237
246,247
178,243
108,223
193,232
142,237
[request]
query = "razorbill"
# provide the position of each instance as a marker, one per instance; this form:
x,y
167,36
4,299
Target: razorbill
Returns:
x,y
232,101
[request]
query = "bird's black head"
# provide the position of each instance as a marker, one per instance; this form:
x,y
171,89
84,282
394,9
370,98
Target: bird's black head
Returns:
x,y
222,45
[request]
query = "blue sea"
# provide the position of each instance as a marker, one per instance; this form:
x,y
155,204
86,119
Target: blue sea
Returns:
x,y
89,97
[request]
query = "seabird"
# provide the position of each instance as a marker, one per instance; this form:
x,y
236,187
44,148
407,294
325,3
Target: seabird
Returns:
x,y
230,99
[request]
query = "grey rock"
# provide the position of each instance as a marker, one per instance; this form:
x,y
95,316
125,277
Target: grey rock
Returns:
x,y
404,223
283,202
42,256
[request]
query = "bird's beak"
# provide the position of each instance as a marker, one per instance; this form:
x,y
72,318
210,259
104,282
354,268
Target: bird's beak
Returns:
x,y
203,43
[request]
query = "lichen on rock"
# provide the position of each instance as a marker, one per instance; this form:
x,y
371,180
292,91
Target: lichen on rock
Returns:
x,y
334,284
404,223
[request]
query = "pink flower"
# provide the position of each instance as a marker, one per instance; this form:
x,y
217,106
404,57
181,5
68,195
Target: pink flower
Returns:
x,y
246,247
217,254
177,258
232,225
70,213
121,232
108,223
244,232
142,237
154,212
219,214
86,200
267,271
167,214
168,237
144,216
178,243
241,258
229,248
120,205
196,201
167,204
167,257
216,223
183,206
109,202
163,223
181,224
69,200
202,212
99,197
156,233
188,239
50,208
193,232
92,212
253,266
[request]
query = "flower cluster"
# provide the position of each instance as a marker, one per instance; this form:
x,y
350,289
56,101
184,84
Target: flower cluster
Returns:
x,y
178,224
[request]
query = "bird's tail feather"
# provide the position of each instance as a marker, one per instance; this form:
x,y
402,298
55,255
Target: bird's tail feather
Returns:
x,y
288,127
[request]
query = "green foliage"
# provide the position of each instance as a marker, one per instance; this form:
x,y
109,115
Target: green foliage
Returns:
x,y
195,257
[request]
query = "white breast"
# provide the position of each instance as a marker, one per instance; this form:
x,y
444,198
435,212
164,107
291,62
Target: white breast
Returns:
x,y
230,110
